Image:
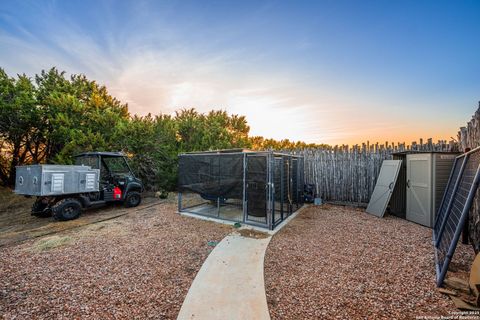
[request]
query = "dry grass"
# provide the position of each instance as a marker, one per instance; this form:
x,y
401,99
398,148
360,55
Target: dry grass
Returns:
x,y
250,233
18,225
14,209
49,243
11,201
335,262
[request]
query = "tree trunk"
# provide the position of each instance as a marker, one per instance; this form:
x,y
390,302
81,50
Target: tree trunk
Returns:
x,y
13,164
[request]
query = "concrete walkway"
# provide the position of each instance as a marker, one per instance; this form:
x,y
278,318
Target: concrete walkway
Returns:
x,y
230,284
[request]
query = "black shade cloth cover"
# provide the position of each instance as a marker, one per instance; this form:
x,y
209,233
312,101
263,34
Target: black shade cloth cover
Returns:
x,y
212,176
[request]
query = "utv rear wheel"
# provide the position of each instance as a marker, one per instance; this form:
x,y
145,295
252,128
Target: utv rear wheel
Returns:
x,y
132,199
67,209
40,209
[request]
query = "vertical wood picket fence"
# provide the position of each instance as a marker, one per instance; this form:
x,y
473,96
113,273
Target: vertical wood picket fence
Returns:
x,y
349,173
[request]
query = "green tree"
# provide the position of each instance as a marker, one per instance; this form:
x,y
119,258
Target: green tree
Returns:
x,y
52,118
80,115
211,131
18,119
152,146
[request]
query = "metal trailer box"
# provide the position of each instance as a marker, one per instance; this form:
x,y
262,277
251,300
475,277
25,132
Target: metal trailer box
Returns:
x,y
52,180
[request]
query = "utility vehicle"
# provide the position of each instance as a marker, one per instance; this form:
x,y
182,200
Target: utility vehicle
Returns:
x,y
96,178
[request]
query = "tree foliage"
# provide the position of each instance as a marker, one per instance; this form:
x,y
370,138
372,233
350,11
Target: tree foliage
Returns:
x,y
50,118
260,143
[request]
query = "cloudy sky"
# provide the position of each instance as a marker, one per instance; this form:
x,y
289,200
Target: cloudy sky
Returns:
x,y
318,71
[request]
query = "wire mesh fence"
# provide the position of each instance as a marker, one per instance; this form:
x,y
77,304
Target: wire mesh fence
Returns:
x,y
450,225
469,137
448,195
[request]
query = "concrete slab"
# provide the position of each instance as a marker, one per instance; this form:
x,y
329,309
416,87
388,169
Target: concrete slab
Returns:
x,y
247,226
230,284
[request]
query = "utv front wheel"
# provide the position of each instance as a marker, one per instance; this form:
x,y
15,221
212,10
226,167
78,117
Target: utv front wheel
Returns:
x,y
132,199
67,209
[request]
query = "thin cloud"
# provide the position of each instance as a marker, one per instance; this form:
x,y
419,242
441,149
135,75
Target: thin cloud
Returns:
x,y
154,68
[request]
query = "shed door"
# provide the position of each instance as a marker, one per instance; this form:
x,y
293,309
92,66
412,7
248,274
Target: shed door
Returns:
x,y
384,187
419,183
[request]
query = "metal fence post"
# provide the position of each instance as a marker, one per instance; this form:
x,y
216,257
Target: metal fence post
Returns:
x,y
270,193
179,201
244,206
282,187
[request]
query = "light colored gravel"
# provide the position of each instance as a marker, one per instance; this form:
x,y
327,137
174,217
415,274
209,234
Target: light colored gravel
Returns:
x,y
139,266
334,262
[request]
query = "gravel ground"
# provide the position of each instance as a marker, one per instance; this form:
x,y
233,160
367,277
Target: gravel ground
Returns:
x,y
334,262
137,266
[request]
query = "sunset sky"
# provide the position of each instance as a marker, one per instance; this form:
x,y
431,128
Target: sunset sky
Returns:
x,y
319,71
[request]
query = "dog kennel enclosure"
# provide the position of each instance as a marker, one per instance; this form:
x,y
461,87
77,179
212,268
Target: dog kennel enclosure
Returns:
x,y
255,188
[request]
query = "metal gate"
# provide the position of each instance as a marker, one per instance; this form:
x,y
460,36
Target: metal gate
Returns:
x,y
448,194
457,206
256,183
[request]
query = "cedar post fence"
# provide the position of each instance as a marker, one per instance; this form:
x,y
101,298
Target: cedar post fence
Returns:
x,y
349,173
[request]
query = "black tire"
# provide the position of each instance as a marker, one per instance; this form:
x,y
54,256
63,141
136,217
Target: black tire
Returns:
x,y
41,210
132,199
67,209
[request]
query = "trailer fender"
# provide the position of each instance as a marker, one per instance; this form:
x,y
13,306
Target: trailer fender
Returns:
x,y
85,201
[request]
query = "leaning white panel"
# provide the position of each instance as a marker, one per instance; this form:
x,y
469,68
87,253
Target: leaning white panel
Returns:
x,y
384,187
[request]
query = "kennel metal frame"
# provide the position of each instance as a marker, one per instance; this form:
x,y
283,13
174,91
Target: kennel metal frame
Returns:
x,y
283,186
